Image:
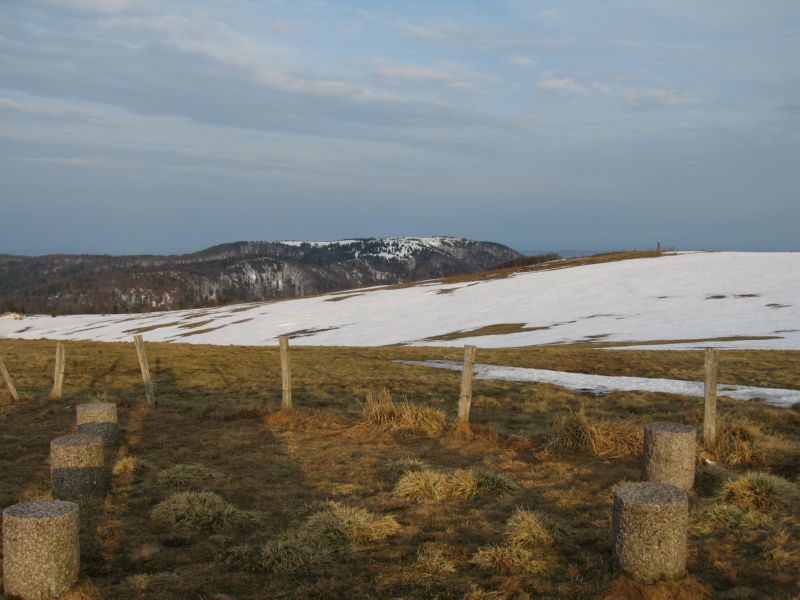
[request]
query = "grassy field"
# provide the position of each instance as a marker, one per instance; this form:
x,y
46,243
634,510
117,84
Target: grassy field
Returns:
x,y
217,494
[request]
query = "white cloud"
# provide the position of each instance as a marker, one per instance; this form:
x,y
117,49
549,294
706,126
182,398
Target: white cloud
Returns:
x,y
446,74
52,110
520,60
649,97
562,86
415,73
448,32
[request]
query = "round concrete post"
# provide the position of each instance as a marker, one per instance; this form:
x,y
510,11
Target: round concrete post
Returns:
x,y
77,466
650,522
99,418
41,555
669,454
97,412
108,432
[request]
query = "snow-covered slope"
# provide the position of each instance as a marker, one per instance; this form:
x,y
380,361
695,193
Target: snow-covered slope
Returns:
x,y
690,296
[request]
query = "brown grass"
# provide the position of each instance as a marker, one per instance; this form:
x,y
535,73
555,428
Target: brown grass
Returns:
x,y
709,478
184,477
434,562
126,465
201,331
460,485
199,510
333,529
380,412
85,589
220,407
528,536
496,329
196,324
731,516
687,589
339,298
760,491
147,328
529,528
509,559
742,442
399,467
576,432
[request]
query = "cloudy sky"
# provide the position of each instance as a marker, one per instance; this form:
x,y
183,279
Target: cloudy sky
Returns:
x,y
172,125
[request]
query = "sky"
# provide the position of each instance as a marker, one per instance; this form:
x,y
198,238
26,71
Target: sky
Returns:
x,y
166,126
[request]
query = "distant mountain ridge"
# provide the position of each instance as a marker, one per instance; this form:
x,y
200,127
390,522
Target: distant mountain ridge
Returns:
x,y
237,271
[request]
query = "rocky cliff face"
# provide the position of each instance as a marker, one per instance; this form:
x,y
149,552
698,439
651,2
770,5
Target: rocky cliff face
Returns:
x,y
241,271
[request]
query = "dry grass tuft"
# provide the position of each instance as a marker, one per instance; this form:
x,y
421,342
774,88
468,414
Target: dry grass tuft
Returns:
x,y
491,484
710,477
688,588
576,432
303,420
740,443
145,551
127,465
357,525
83,590
784,552
433,563
529,528
461,485
526,533
330,531
733,517
381,412
184,477
199,510
477,593
395,469
37,491
510,558
760,491
422,485
151,582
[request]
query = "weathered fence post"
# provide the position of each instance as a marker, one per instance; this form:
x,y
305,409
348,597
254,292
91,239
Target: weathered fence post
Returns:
x,y
286,373
710,412
12,390
58,373
148,383
465,398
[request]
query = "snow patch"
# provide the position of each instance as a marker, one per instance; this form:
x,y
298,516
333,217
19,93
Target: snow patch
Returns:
x,y
604,384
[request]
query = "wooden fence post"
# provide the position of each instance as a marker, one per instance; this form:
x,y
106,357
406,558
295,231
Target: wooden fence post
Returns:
x,y
58,373
7,378
286,373
148,383
710,412
465,398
